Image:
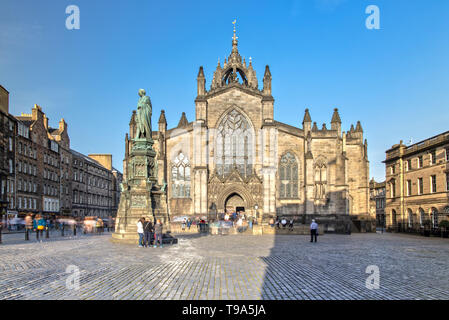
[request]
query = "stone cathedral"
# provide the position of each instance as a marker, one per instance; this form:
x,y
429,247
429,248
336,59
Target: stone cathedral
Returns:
x,y
236,156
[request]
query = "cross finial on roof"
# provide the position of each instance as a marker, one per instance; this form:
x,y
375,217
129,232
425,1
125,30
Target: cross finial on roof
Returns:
x,y
235,37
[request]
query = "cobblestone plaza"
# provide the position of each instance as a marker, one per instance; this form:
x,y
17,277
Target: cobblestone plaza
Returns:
x,y
227,268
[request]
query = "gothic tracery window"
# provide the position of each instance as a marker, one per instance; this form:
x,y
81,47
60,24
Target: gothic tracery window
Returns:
x,y
320,180
288,176
234,145
180,177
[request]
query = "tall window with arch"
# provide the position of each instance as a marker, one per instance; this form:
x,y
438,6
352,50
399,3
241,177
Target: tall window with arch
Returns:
x,y
320,179
422,216
288,176
393,217
234,145
410,218
180,176
434,217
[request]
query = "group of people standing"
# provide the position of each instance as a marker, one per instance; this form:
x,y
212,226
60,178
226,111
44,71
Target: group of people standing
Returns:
x,y
282,222
149,234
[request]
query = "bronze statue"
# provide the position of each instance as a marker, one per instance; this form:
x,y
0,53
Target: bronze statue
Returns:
x,y
143,116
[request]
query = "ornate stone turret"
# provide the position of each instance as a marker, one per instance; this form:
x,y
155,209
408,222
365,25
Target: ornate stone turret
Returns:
x,y
132,125
358,132
162,123
307,122
126,146
336,122
183,121
162,120
267,81
201,80
252,79
216,80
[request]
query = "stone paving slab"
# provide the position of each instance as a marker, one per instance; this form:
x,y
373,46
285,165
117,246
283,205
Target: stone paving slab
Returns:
x,y
228,268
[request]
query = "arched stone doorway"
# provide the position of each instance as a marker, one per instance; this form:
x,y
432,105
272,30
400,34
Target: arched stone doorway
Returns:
x,y
234,202
235,196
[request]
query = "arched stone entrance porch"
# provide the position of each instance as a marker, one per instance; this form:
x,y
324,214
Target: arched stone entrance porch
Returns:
x,y
233,197
235,203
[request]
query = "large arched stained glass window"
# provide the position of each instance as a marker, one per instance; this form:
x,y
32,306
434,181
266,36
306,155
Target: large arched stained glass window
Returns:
x,y
288,177
234,145
180,177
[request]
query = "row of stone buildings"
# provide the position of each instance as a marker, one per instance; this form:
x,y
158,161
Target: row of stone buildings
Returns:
x,y
415,193
40,173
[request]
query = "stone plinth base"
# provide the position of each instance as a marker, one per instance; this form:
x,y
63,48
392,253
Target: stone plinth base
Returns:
x,y
127,237
133,238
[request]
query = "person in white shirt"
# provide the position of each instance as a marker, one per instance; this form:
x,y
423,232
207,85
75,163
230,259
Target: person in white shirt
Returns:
x,y
284,223
313,231
140,231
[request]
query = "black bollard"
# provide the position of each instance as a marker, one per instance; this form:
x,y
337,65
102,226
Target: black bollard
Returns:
x,y
47,233
27,234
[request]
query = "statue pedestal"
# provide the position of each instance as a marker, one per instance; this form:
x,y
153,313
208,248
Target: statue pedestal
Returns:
x,y
140,196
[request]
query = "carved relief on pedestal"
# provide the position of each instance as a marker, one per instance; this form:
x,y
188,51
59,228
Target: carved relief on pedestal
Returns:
x,y
139,169
138,201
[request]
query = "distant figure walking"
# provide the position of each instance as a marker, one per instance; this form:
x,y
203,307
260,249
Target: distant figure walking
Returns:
x,y
313,231
183,225
140,231
189,223
158,233
39,225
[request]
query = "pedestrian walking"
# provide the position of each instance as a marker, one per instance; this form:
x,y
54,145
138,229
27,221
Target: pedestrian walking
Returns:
x,y
158,233
148,232
313,231
39,225
189,223
290,225
140,231
183,225
28,226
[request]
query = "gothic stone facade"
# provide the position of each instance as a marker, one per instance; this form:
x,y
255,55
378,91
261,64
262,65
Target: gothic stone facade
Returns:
x,y
235,156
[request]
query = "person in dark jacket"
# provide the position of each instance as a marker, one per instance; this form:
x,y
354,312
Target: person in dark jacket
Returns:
x,y
158,233
148,232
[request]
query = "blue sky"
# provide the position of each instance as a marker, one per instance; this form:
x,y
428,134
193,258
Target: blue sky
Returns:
x,y
394,80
